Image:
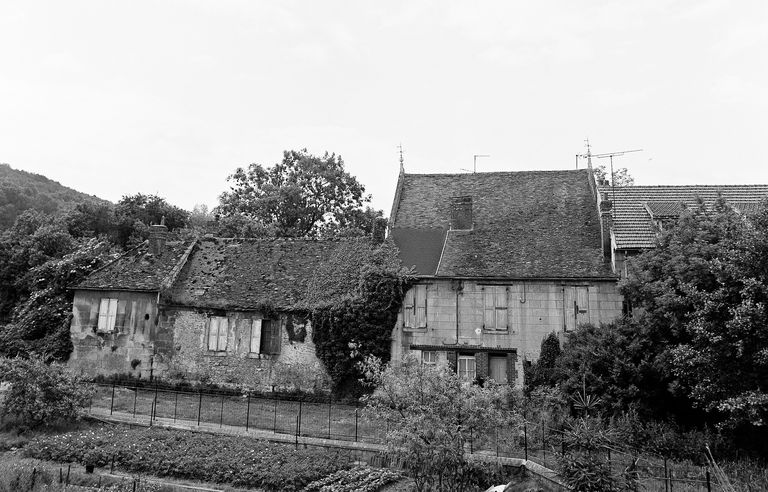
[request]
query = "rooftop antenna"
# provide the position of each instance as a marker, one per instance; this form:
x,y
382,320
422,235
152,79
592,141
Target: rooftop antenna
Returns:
x,y
474,161
402,168
610,155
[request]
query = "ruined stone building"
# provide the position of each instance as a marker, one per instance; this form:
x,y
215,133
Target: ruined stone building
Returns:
x,y
503,259
214,310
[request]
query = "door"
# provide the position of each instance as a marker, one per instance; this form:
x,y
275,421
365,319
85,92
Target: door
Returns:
x,y
575,306
497,368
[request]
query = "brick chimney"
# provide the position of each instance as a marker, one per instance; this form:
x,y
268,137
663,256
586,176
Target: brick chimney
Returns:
x,y
158,234
461,212
606,224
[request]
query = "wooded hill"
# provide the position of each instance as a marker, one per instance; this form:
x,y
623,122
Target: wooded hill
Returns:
x,y
22,190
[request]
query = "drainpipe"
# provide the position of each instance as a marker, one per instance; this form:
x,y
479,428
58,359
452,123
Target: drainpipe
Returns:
x,y
459,288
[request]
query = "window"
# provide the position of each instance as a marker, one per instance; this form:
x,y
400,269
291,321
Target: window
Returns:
x,y
415,307
495,307
270,337
107,314
217,333
429,357
255,344
467,368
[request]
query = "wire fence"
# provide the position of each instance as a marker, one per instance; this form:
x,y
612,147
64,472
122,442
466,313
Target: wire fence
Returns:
x,y
329,419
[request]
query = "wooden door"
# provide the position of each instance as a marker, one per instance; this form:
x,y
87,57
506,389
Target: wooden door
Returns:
x,y
575,306
497,368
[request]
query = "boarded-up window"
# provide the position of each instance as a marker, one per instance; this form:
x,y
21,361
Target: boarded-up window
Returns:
x,y
107,314
217,333
270,337
255,344
495,307
415,307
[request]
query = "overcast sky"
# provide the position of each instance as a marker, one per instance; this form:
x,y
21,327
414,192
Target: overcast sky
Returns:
x,y
169,97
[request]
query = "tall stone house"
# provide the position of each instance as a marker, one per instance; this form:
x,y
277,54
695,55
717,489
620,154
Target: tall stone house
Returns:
x,y
216,310
632,217
502,259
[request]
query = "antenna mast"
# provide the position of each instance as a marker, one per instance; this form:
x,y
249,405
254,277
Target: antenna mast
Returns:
x,y
402,168
474,161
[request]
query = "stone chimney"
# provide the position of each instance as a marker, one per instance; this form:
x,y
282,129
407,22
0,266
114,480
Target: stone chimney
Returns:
x,y
606,224
461,212
158,234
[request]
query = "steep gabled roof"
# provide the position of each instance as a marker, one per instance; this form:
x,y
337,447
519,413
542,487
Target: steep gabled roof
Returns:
x,y
530,224
636,207
139,270
250,274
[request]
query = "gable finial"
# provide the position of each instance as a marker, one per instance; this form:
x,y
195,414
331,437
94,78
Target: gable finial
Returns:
x,y
402,167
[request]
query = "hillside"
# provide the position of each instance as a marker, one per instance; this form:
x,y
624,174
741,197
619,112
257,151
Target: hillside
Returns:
x,y
21,190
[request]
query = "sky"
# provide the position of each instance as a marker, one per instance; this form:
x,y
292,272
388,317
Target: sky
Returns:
x,y
170,97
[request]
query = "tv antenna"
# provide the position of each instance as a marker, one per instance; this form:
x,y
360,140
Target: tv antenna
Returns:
x,y
607,155
474,161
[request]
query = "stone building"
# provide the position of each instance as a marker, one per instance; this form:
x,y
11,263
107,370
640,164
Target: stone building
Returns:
x,y
633,216
503,259
215,310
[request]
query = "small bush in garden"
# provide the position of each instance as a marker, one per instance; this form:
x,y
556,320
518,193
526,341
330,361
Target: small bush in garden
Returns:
x,y
358,479
40,394
587,473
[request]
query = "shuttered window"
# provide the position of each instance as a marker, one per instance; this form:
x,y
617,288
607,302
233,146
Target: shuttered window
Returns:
x,y
495,312
270,337
217,333
107,314
415,307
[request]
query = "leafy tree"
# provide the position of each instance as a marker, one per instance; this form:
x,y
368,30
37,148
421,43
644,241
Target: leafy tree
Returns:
x,y
297,197
41,394
135,213
431,415
621,176
543,371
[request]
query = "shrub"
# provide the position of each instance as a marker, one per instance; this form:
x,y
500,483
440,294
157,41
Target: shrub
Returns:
x,y
39,394
358,479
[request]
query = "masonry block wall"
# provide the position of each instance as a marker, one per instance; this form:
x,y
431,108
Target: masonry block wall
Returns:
x,y
524,312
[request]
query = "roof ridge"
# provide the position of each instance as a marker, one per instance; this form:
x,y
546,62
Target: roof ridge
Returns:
x,y
498,172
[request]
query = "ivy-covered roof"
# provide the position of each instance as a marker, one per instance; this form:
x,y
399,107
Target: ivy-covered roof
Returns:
x,y
254,274
636,208
529,224
139,270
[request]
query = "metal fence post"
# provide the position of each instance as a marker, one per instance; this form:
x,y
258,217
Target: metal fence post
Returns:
x,y
135,396
221,414
154,406
274,422
525,439
248,413
112,401
298,425
330,400
199,407
175,405
709,483
355,423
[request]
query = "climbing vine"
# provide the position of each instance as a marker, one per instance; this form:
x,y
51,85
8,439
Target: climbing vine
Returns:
x,y
358,319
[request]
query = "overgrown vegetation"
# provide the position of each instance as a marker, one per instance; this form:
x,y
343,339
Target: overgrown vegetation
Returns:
x,y
238,461
357,479
432,415
40,394
355,298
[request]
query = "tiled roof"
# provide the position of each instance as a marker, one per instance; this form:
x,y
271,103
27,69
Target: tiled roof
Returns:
x,y
249,274
420,248
633,207
530,224
139,270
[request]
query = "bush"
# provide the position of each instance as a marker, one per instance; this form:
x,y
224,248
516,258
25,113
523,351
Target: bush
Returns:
x,y
239,461
358,479
39,394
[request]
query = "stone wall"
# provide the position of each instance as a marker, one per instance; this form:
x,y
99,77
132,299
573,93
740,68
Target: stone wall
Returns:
x,y
533,309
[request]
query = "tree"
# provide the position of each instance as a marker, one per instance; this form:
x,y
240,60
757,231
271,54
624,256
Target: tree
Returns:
x,y
621,176
543,371
135,213
431,415
41,394
702,299
299,196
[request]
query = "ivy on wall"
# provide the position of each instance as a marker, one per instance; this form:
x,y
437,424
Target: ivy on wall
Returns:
x,y
368,286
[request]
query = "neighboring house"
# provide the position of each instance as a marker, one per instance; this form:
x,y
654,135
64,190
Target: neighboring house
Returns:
x,y
217,310
633,216
502,259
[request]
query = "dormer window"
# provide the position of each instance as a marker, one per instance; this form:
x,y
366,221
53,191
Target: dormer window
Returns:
x,y
461,212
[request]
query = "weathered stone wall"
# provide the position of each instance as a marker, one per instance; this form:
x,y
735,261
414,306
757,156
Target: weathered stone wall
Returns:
x,y
130,348
295,365
534,309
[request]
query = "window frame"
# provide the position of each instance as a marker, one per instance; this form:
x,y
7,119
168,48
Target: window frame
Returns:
x,y
492,295
271,337
432,357
414,310
107,316
464,374
217,322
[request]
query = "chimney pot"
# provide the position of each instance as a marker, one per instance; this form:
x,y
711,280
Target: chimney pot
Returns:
x,y
158,235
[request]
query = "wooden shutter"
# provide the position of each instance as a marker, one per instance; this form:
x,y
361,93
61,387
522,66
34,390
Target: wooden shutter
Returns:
x,y
420,301
103,313
582,305
489,308
500,300
213,333
255,336
408,306
112,315
223,332
569,308
270,336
